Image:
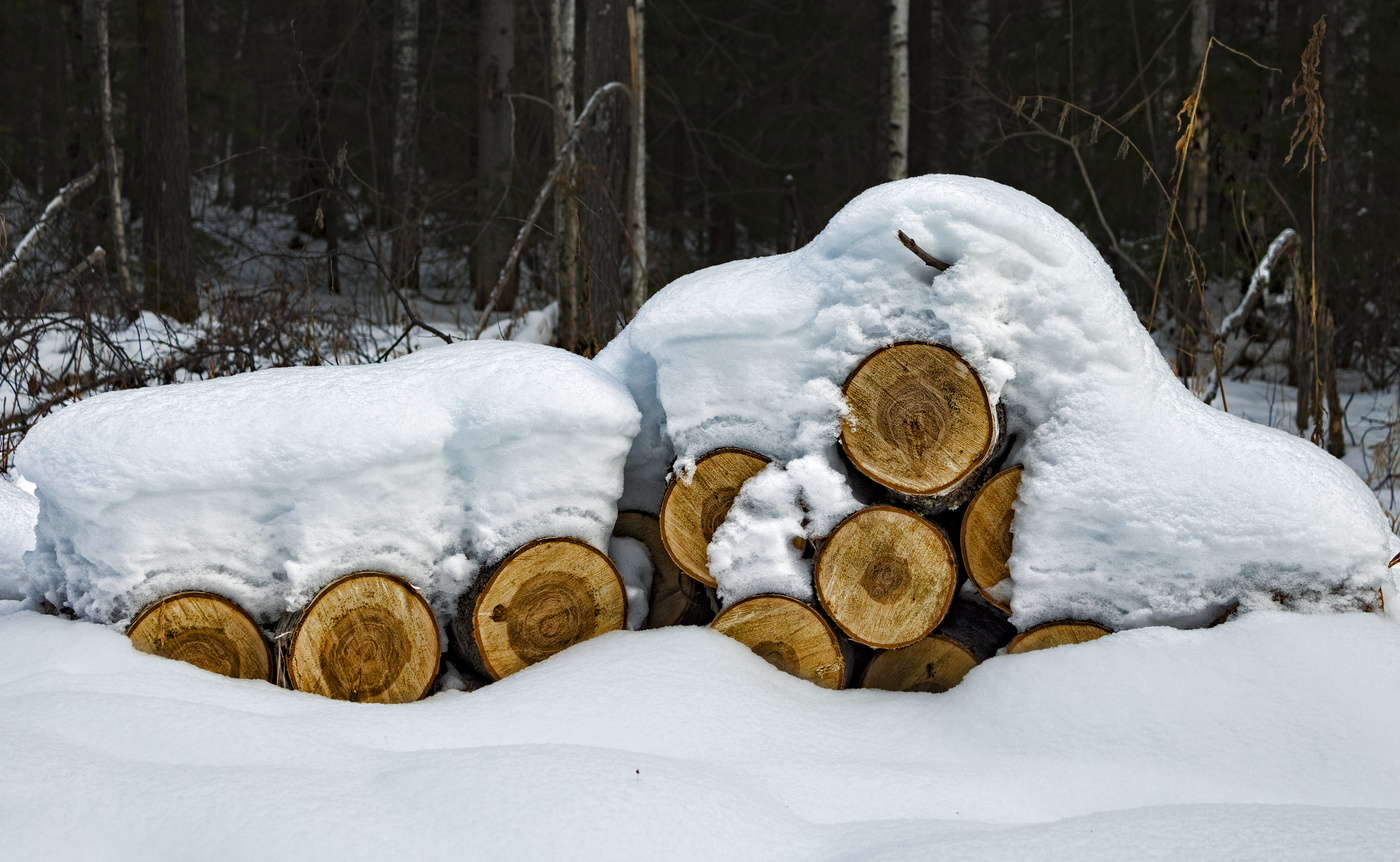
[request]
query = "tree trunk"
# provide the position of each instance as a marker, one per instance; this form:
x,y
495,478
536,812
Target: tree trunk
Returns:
x,y
886,577
675,598
545,597
897,145
986,536
367,637
563,16
403,256
977,112
792,636
113,159
168,235
692,511
921,425
206,630
495,147
637,197
603,175
314,204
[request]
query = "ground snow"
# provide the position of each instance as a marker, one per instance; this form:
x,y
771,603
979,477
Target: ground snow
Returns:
x,y
1138,506
264,486
1271,737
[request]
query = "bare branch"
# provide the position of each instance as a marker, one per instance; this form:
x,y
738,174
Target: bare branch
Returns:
x,y
920,253
64,197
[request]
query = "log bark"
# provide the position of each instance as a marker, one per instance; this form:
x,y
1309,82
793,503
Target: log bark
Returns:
x,y
692,511
986,536
1053,634
545,597
675,599
921,424
368,637
791,635
205,630
886,577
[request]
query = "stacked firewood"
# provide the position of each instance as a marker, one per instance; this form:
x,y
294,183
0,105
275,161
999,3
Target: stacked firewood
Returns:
x,y
890,612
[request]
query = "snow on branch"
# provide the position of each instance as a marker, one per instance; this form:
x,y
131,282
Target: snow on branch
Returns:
x,y
65,195
1262,273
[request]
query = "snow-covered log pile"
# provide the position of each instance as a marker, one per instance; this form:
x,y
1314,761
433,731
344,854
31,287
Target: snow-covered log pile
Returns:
x,y
1134,504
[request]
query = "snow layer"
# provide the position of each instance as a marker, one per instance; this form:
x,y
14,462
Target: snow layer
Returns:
x,y
18,511
265,486
1268,738
1139,505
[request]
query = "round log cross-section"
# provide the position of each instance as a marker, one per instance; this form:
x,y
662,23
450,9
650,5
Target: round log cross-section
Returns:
x,y
1055,634
675,599
790,635
545,597
886,577
692,511
986,536
934,664
367,637
205,630
920,421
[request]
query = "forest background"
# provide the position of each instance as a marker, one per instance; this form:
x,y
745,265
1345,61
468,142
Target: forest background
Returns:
x,y
307,182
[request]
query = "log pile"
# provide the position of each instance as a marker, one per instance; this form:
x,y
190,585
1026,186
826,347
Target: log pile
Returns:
x,y
911,590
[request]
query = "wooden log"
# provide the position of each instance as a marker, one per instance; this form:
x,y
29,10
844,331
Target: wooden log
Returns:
x,y
886,577
545,597
1055,634
986,536
971,633
692,511
921,424
368,637
206,630
675,599
791,635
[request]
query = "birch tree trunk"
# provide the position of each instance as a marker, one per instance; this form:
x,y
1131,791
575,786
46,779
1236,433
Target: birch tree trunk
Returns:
x,y
637,199
403,256
495,147
563,16
110,155
603,167
897,145
168,236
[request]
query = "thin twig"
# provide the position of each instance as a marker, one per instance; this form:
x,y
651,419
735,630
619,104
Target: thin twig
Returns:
x,y
920,253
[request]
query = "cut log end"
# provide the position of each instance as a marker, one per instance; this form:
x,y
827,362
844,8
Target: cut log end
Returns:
x,y
545,597
986,536
791,635
1047,635
367,637
692,511
675,599
886,577
934,664
205,630
920,421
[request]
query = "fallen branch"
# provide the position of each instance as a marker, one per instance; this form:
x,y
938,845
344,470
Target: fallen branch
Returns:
x,y
65,195
98,255
559,160
1262,273
920,253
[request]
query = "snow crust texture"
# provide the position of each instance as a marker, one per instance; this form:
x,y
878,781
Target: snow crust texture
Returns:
x,y
1139,505
265,486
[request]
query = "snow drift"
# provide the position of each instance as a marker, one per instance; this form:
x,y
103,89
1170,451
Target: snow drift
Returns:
x,y
1139,505
265,486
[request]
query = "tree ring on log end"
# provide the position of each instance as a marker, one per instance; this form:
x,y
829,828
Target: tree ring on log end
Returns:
x,y
1055,634
545,597
920,420
205,630
986,536
691,512
934,664
368,637
886,577
676,599
790,635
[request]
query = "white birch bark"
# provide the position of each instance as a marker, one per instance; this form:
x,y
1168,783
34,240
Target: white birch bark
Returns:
x,y
637,199
109,150
897,148
563,18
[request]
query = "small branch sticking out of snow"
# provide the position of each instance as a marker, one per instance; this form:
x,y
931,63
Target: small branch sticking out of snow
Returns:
x,y
65,194
1262,273
920,253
